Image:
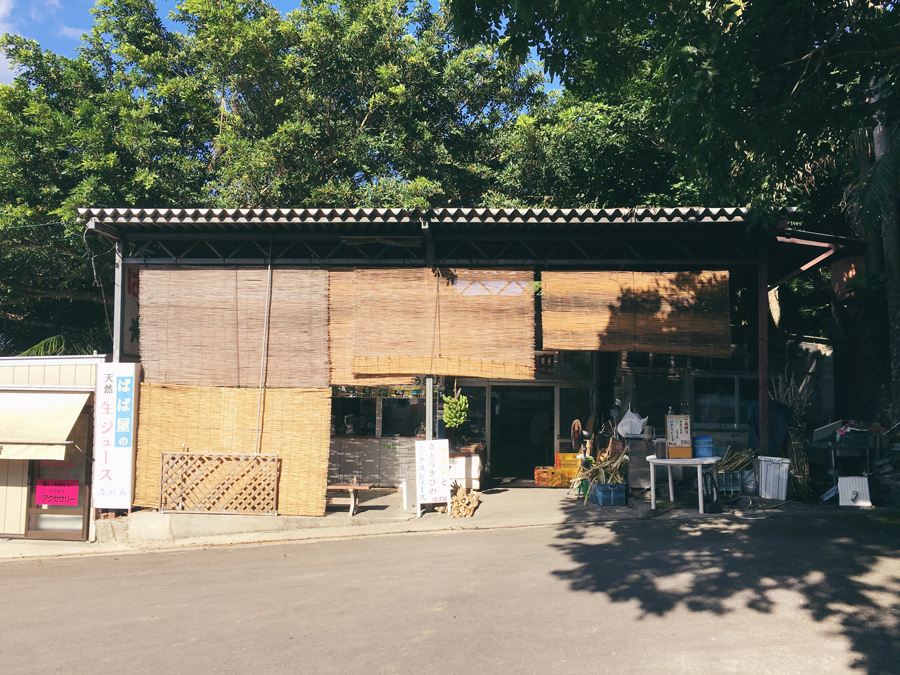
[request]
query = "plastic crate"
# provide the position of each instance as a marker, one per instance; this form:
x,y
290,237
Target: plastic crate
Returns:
x,y
719,451
608,494
567,460
729,481
542,475
773,477
549,476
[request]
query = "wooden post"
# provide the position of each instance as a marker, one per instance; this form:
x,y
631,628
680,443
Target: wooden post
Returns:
x,y
429,408
763,345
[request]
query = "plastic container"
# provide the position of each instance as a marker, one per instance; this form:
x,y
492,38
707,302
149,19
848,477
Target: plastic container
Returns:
x,y
566,460
729,481
773,477
609,494
703,446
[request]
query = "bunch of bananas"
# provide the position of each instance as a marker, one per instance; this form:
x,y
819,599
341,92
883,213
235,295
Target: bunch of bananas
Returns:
x,y
456,410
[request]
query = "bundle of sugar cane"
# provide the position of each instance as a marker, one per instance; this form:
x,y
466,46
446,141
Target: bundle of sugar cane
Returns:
x,y
613,470
736,461
463,502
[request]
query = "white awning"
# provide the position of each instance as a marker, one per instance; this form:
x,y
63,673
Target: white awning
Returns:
x,y
36,425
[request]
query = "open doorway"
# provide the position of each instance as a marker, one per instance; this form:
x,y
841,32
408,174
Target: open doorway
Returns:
x,y
521,430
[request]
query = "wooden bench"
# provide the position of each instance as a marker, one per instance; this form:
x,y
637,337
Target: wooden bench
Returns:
x,y
352,500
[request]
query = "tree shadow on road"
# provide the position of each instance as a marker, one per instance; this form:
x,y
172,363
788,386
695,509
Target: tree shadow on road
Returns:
x,y
840,563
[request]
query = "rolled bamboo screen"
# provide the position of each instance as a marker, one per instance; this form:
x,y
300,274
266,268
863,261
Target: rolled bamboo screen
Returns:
x,y
464,322
665,312
342,335
207,327
296,424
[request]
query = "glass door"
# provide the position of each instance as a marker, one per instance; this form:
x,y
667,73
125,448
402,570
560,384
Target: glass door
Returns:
x,y
59,491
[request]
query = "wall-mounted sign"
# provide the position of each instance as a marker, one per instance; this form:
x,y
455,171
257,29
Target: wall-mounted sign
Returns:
x,y
56,493
415,390
432,473
115,416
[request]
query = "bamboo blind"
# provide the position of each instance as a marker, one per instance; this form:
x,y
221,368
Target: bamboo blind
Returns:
x,y
342,335
468,323
665,312
207,327
296,424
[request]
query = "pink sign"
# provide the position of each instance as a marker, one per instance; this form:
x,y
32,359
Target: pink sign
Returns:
x,y
56,492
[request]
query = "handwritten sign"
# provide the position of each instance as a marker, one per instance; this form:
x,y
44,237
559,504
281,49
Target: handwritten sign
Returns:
x,y
678,436
56,493
115,407
432,473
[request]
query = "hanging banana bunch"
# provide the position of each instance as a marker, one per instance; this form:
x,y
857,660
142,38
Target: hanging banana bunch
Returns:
x,y
456,410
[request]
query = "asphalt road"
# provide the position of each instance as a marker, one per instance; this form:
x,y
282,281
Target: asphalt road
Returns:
x,y
798,594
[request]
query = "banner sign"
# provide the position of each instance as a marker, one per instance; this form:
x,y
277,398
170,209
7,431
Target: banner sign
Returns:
x,y
115,416
432,473
56,492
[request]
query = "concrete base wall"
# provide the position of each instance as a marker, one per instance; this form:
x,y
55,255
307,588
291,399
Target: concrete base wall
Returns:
x,y
152,526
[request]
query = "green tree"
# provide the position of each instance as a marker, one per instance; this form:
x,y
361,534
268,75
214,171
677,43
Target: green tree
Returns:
x,y
360,103
577,153
766,103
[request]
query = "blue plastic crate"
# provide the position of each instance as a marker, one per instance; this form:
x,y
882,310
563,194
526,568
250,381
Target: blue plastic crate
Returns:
x,y
608,494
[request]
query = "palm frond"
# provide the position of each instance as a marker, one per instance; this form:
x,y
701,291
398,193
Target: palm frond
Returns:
x,y
875,193
57,345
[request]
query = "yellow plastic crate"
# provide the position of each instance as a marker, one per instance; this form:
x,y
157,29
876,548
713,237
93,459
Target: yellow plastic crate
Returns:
x,y
567,460
549,476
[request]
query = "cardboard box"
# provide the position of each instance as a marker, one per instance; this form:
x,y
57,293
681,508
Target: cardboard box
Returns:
x,y
679,452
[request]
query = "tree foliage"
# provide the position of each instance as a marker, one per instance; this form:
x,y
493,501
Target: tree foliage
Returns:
x,y
765,103
359,103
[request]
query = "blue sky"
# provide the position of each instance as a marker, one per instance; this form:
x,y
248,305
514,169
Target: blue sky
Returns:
x,y
58,24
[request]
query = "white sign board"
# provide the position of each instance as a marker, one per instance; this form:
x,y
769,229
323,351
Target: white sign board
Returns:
x,y
432,473
678,431
115,414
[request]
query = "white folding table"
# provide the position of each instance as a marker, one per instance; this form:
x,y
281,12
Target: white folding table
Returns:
x,y
699,462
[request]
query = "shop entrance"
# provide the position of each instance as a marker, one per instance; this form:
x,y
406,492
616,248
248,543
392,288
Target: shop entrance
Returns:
x,y
59,492
521,430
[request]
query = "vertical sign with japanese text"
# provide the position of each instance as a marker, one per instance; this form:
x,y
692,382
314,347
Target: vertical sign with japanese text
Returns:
x,y
432,473
115,408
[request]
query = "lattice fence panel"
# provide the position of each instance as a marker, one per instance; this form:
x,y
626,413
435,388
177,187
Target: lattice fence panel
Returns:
x,y
212,483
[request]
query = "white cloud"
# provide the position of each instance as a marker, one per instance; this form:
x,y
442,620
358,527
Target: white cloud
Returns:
x,y
69,32
6,8
53,3
6,73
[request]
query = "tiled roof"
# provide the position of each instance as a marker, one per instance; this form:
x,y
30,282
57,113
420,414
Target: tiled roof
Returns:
x,y
125,220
